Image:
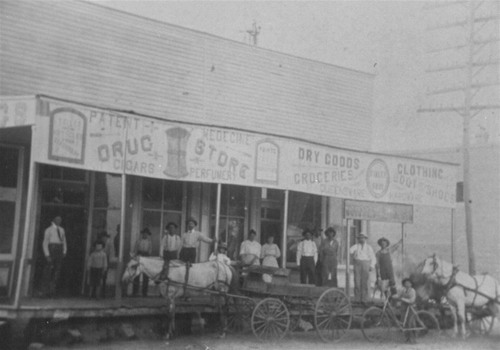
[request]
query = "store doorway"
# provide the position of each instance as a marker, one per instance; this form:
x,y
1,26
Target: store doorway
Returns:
x,y
65,196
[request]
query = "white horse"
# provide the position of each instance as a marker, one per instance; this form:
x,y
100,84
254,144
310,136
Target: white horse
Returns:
x,y
210,275
462,289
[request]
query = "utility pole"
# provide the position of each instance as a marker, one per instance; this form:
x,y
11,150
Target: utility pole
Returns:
x,y
253,33
468,110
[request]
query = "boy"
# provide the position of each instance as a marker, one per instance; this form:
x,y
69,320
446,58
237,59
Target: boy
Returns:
x,y
407,297
97,264
221,255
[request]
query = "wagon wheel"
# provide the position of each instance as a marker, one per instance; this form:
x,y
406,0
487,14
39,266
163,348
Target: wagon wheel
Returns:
x,y
332,315
377,326
424,323
239,312
480,324
270,319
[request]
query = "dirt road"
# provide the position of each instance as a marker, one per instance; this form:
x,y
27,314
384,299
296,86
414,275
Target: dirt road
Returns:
x,y
297,341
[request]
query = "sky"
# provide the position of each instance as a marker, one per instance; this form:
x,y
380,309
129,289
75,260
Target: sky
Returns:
x,y
386,38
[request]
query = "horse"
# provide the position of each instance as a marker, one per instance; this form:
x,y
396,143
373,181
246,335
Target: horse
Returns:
x,y
210,275
462,289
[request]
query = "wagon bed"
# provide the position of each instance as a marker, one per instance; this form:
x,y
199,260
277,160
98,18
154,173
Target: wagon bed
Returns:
x,y
275,306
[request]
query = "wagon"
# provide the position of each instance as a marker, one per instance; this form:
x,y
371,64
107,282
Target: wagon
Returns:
x,y
278,306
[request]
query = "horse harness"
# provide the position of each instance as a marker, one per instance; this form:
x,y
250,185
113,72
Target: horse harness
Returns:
x,y
452,282
185,285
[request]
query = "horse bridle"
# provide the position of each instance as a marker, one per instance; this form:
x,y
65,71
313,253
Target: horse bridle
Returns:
x,y
130,268
451,279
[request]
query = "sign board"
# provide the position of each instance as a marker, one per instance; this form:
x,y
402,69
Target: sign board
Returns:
x,y
17,111
103,140
385,212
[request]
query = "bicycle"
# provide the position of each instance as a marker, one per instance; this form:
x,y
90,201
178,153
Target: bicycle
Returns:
x,y
383,324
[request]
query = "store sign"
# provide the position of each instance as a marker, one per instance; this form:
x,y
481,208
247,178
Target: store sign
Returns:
x,y
102,140
385,212
17,111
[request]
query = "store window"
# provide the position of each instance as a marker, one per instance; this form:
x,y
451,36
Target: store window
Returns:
x,y
10,190
9,167
233,216
304,211
106,214
162,202
271,215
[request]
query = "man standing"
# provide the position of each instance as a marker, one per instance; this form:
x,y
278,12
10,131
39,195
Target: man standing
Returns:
x,y
250,250
328,253
169,247
307,257
54,249
190,240
364,261
107,249
143,247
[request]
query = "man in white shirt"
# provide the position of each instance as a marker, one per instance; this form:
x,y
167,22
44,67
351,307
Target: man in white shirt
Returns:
x,y
307,257
190,241
54,249
169,247
250,250
364,261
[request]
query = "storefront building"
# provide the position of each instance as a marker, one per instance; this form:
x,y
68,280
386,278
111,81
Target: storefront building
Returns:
x,y
140,127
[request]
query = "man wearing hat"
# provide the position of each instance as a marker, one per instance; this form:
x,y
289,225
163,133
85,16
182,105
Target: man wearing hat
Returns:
x,y
364,261
143,247
169,247
54,249
190,241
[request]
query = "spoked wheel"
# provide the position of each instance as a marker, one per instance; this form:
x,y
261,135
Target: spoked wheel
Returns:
x,y
270,319
239,312
424,323
377,326
332,315
479,324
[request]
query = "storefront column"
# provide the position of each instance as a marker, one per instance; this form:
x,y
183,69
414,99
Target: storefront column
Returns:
x,y
452,236
30,214
285,227
402,245
119,265
217,216
348,259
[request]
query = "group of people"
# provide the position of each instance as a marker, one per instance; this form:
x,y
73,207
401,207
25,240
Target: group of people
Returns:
x,y
316,257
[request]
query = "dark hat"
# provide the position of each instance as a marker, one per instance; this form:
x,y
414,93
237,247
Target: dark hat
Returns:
x,y
252,231
146,230
171,223
222,245
406,279
331,229
306,231
104,234
191,219
382,240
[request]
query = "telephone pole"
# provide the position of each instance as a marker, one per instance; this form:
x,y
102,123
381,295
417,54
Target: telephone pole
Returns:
x,y
253,33
471,68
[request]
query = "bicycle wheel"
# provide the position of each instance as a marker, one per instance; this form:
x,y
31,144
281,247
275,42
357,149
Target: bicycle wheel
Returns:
x,y
423,323
377,326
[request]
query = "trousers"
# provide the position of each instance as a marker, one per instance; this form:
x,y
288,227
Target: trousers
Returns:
x,y
361,279
307,270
